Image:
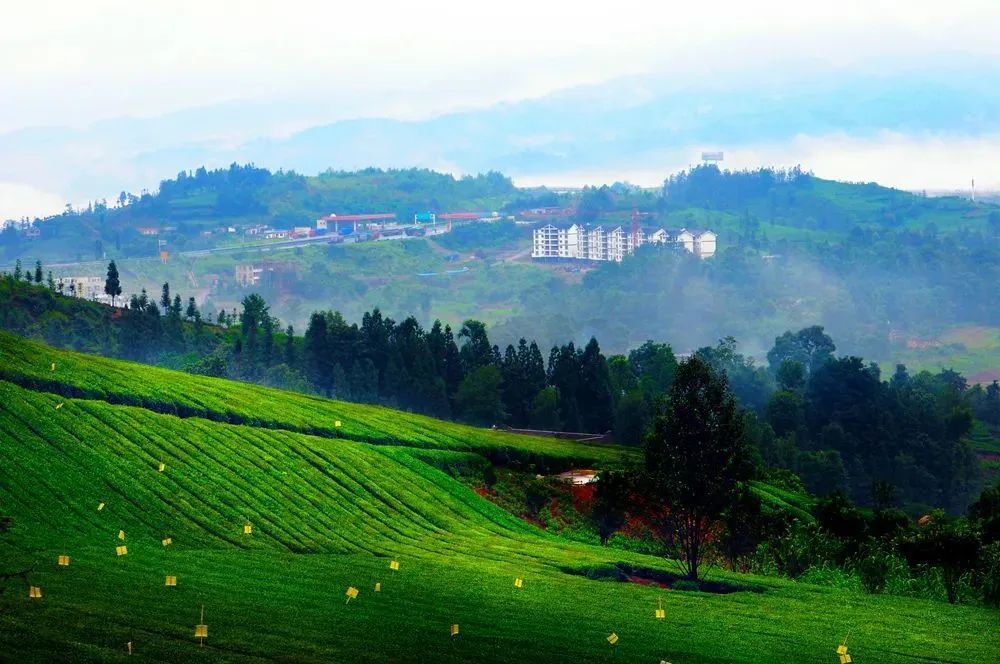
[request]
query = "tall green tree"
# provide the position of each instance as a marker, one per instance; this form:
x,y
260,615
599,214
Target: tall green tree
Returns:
x,y
612,494
112,285
810,346
165,298
697,461
479,400
594,392
476,351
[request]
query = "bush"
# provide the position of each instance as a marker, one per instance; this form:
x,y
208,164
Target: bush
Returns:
x,y
830,575
989,570
874,567
536,497
685,584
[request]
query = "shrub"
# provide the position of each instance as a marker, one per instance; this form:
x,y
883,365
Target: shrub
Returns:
x,y
874,567
686,584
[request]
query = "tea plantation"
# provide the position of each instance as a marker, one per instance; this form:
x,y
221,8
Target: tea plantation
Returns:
x,y
266,513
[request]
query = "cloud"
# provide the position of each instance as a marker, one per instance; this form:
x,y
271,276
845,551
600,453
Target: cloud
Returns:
x,y
933,162
74,63
21,200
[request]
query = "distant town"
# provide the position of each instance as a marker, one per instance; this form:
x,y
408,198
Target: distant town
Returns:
x,y
554,238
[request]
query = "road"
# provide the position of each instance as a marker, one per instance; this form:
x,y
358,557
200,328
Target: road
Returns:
x,y
262,246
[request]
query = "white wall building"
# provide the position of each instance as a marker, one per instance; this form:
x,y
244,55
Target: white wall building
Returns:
x,y
89,288
612,243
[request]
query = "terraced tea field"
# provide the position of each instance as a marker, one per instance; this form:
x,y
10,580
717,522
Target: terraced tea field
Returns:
x,y
30,363
327,512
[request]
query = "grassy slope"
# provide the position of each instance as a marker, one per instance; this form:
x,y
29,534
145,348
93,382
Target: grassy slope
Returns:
x,y
327,514
29,363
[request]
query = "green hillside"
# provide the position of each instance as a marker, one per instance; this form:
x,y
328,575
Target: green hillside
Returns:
x,y
30,363
330,513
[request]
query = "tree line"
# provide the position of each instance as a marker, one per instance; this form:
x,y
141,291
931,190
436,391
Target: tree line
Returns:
x,y
835,421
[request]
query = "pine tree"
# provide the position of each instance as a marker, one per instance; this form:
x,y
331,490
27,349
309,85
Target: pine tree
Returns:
x,y
112,285
290,346
38,272
165,298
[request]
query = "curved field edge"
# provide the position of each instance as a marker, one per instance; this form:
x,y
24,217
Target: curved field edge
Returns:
x,y
352,507
28,363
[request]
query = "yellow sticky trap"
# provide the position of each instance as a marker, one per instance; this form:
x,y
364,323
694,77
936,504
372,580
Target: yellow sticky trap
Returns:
x,y
59,405
171,581
247,528
167,541
841,650
518,583
612,638
378,587
661,614
53,366
163,467
845,659
454,630
121,534
34,592
336,423
64,561
201,629
121,550
352,593
129,646
100,506
394,565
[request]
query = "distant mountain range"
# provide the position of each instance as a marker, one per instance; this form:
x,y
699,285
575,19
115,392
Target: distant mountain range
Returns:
x,y
626,125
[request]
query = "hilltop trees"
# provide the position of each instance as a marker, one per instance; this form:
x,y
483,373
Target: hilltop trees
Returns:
x,y
697,462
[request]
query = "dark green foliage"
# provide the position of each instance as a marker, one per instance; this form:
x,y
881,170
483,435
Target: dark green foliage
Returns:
x,y
874,567
809,347
478,399
536,497
696,458
985,513
947,544
743,529
632,418
112,285
545,410
612,494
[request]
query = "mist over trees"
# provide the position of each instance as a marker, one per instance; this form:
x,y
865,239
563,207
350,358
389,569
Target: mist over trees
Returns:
x,y
836,421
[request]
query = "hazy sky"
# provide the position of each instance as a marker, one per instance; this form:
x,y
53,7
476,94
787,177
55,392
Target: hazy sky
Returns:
x,y
68,63
71,62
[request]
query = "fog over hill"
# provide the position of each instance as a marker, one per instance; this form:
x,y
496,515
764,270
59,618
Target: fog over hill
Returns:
x,y
893,128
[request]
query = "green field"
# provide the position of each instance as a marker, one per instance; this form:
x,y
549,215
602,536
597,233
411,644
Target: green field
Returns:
x,y
329,510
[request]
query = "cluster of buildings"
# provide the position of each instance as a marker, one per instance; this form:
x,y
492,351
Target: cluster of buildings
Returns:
x,y
613,242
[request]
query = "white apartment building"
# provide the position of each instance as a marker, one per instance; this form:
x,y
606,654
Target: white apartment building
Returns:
x,y
612,243
88,288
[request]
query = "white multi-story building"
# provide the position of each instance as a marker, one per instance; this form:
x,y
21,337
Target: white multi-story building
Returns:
x,y
88,288
612,243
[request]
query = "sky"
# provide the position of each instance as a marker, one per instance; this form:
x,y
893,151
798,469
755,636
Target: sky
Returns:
x,y
298,64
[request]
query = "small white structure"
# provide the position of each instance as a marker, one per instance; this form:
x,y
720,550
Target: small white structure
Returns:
x,y
613,243
89,288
